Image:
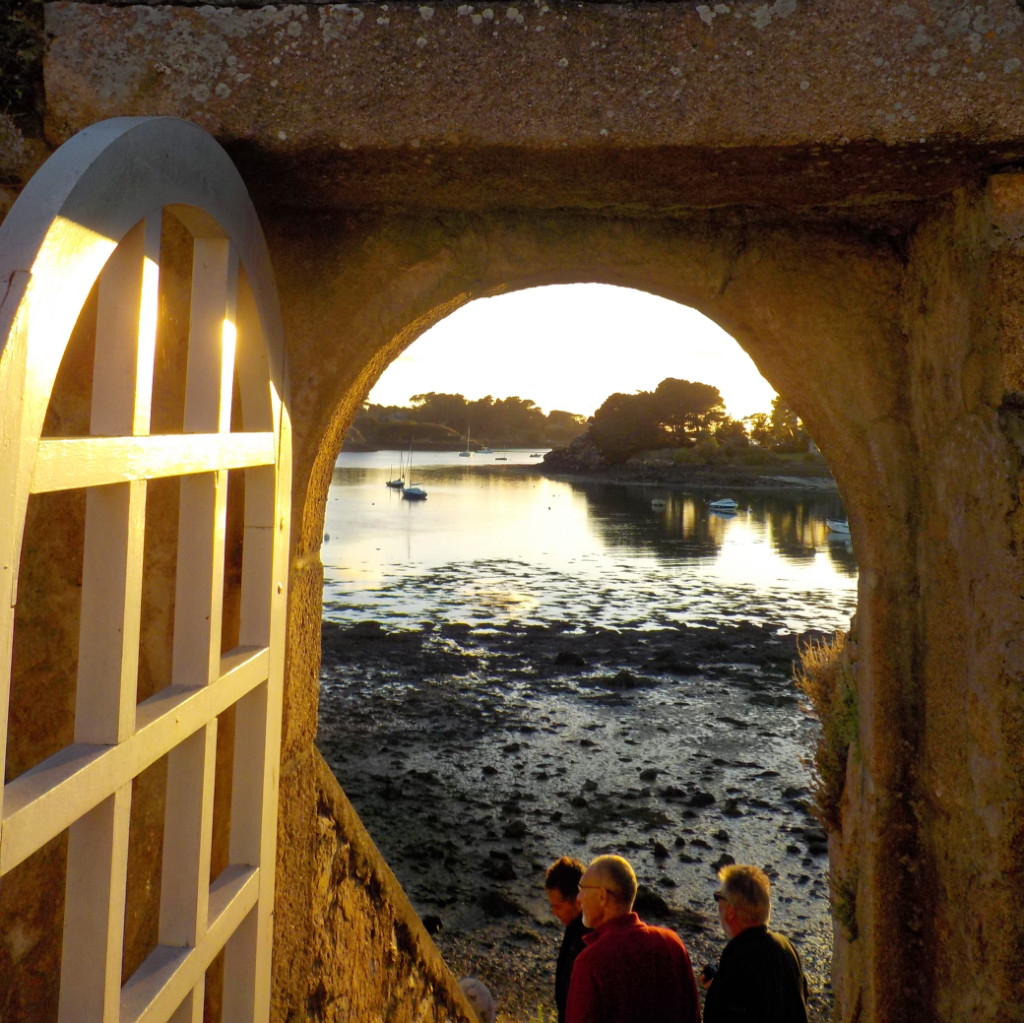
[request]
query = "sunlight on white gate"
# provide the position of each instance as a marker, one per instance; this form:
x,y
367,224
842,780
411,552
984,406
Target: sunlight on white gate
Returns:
x,y
142,416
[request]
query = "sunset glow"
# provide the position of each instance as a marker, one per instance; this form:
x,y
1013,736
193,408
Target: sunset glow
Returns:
x,y
570,346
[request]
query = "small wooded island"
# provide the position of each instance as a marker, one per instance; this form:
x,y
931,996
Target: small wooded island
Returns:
x,y
678,433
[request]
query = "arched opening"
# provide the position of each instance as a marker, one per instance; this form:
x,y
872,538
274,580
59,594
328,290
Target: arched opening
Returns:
x,y
573,666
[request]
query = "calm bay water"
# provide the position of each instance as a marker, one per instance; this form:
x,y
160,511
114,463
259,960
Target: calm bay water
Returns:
x,y
493,543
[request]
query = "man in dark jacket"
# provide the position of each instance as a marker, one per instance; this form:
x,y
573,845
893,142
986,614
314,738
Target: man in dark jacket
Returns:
x,y
562,884
759,977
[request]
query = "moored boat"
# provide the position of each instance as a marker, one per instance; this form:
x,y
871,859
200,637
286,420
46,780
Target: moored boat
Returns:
x,y
838,526
723,504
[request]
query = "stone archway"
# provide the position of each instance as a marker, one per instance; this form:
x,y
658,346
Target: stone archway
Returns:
x,y
894,348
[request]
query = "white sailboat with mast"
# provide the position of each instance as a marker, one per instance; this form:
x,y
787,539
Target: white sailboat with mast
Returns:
x,y
409,491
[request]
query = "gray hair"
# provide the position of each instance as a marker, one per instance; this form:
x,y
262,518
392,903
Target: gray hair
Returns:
x,y
748,891
619,876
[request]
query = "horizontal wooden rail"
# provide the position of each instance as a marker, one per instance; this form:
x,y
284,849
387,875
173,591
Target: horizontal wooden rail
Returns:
x,y
168,973
42,802
76,462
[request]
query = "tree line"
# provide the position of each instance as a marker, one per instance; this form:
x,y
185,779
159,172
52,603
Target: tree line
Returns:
x,y
446,420
684,414
680,414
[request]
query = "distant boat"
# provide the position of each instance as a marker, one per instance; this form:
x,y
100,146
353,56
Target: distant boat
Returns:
x,y
467,452
501,458
657,504
538,455
410,492
399,481
725,504
485,451
838,526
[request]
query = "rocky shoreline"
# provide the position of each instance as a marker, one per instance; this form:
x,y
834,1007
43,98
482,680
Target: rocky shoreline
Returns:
x,y
476,756
758,471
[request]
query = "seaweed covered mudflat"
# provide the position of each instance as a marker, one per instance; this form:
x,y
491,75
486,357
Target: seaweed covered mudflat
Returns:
x,y
477,755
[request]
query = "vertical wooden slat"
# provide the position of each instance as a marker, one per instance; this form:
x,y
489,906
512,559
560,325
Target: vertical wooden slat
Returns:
x,y
115,516
242,1000
90,979
122,392
191,1009
247,966
15,473
199,582
108,648
211,353
185,889
188,826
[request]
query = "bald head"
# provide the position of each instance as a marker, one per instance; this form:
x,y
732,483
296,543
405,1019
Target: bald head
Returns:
x,y
607,890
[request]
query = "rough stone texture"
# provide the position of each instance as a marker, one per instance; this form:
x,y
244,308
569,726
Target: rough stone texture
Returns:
x,y
371,957
833,183
662,105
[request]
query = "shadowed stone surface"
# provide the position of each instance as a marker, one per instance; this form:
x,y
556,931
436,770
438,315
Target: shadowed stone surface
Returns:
x,y
633,107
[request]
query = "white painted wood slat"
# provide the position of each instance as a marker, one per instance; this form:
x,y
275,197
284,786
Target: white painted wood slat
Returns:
x,y
42,802
162,982
76,463
90,981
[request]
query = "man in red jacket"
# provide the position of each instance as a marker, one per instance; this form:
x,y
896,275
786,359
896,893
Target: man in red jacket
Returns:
x,y
627,972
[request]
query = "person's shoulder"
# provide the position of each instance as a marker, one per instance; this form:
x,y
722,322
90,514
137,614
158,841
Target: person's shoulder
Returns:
x,y
665,935
785,947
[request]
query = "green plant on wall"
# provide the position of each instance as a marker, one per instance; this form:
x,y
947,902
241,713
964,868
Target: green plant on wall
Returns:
x,y
826,678
843,900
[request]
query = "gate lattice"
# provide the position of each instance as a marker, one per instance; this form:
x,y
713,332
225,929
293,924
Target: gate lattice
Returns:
x,y
81,253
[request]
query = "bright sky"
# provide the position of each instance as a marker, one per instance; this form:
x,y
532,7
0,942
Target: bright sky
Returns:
x,y
570,346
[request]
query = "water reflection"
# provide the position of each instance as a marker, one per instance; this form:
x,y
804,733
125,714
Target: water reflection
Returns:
x,y
680,525
496,542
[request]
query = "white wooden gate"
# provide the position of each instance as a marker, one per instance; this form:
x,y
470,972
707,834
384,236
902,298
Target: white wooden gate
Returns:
x,y
87,233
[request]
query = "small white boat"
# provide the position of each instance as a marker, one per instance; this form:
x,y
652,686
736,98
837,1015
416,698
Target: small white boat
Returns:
x,y
657,504
485,451
725,504
466,453
838,526
410,492
399,481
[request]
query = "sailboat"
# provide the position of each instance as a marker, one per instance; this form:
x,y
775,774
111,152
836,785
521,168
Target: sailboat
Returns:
x,y
466,453
410,492
398,483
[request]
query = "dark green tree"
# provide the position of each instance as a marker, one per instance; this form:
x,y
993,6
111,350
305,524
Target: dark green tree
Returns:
x,y
687,409
781,430
625,424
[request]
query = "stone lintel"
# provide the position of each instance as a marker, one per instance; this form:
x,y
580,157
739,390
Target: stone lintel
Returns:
x,y
650,106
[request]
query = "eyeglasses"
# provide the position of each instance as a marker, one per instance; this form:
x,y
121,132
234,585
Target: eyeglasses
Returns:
x,y
604,888
720,896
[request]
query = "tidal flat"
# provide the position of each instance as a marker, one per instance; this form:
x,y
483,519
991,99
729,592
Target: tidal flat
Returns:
x,y
477,754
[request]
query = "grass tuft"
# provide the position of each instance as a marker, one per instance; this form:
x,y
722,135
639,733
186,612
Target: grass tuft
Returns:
x,y
826,678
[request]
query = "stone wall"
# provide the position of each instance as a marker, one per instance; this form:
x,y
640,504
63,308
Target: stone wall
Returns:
x,y
370,957
829,182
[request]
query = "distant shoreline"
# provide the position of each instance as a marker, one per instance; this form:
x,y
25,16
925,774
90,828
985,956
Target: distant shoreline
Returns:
x,y
783,476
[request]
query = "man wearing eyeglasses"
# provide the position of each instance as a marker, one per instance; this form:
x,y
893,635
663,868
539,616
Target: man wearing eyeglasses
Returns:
x,y
627,972
759,977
